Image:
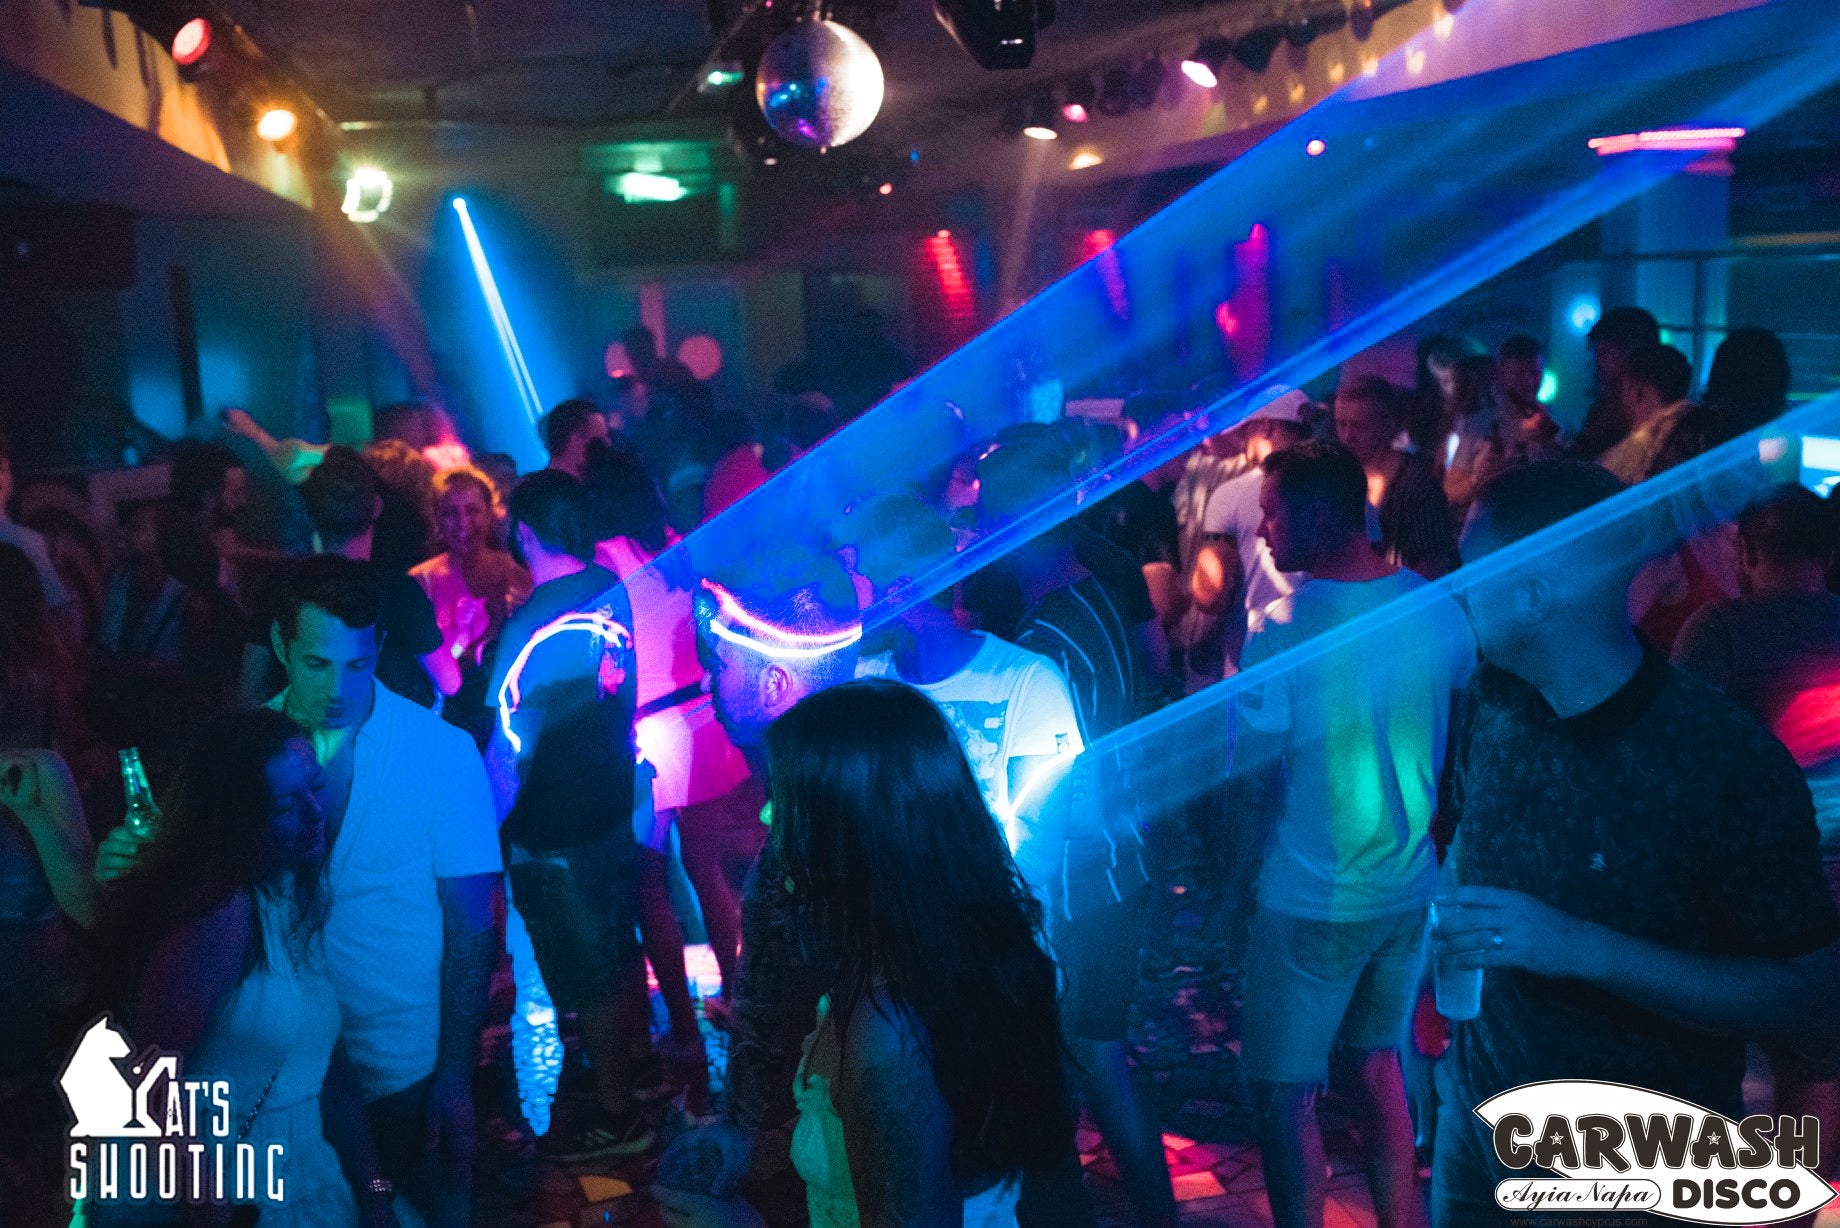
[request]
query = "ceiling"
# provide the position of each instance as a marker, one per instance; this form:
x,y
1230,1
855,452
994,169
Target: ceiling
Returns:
x,y
589,63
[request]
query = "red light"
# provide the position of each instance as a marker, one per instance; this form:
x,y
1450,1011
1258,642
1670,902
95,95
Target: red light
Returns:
x,y
887,189
943,234
1095,241
192,41
1315,148
1074,113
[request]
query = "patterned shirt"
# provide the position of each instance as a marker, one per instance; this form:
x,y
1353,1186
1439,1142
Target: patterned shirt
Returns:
x,y
1664,813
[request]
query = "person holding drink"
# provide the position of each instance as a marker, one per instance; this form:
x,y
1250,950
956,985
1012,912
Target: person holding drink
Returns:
x,y
1638,870
1337,760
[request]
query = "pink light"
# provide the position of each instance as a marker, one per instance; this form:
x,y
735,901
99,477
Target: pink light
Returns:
x,y
1712,140
1200,74
1225,320
887,189
1074,113
1095,241
192,41
1315,148
450,455
510,693
780,642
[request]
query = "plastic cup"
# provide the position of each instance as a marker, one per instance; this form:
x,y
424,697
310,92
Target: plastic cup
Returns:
x,y
1458,990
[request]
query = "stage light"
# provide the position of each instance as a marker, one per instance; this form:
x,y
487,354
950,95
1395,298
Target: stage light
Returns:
x,y
942,234
1114,92
1039,122
998,34
887,189
192,43
1074,113
1078,98
636,186
277,124
501,322
1203,67
367,195
1147,83
1315,148
1549,389
1680,140
1084,159
1255,47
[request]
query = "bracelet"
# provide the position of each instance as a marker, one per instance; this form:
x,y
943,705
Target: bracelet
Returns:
x,y
380,1187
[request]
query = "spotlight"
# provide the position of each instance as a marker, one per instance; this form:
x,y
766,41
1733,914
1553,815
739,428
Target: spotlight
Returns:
x,y
1084,159
1255,47
1315,148
1203,67
998,34
1038,123
192,43
887,189
1115,92
367,195
1078,98
721,76
1313,21
277,124
1147,83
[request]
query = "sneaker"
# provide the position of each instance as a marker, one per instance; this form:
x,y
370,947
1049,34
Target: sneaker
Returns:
x,y
651,1083
598,1135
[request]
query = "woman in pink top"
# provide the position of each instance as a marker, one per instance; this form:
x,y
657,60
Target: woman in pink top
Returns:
x,y
703,783
473,584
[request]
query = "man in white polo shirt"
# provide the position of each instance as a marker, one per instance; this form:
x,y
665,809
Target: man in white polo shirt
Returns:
x,y
414,871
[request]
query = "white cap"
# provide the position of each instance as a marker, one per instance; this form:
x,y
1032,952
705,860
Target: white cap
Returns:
x,y
1285,404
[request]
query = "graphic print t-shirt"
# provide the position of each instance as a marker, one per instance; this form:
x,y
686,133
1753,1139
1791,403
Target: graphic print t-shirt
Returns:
x,y
1005,704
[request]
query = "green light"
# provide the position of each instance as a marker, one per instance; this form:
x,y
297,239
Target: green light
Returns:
x,y
1549,389
722,78
636,186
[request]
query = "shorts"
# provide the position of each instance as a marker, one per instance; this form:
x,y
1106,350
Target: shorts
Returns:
x,y
1313,984
1097,952
580,905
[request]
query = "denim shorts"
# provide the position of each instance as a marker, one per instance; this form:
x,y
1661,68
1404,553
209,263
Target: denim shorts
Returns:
x,y
580,905
1311,985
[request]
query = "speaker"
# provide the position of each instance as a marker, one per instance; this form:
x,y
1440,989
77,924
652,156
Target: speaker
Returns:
x,y
998,34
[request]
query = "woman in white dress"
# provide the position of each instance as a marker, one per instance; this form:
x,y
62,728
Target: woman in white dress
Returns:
x,y
934,1079
226,912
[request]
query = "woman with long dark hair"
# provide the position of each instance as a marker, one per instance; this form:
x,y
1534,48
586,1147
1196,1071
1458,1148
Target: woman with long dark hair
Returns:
x,y
224,912
934,1078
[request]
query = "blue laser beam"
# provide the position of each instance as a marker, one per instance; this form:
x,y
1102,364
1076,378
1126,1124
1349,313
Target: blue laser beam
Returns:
x,y
1649,519
501,322
1705,70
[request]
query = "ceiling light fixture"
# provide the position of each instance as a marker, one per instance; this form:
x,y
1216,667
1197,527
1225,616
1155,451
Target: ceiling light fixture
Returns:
x,y
277,124
1210,55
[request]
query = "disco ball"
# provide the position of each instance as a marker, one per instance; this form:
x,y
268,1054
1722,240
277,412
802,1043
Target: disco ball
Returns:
x,y
819,84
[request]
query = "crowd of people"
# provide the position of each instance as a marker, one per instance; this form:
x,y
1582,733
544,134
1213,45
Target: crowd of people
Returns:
x,y
416,682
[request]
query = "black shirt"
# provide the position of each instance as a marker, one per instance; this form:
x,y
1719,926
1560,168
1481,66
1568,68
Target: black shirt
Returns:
x,y
576,692
1140,522
407,622
1665,813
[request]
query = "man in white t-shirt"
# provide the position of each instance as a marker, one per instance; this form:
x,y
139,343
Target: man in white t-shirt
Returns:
x,y
414,871
1010,707
1339,751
